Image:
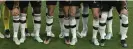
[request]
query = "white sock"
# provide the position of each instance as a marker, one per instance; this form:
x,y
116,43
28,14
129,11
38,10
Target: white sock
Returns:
x,y
15,25
61,21
124,26
85,9
77,18
85,21
67,26
109,21
95,28
102,24
49,22
85,14
37,24
73,26
23,23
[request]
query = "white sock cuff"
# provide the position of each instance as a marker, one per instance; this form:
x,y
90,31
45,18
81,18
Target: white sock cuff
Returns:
x,y
103,18
37,15
49,19
95,23
124,19
37,18
23,14
16,17
110,12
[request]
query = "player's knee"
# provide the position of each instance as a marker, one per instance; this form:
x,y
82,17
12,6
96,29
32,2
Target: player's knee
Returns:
x,y
37,18
15,12
51,13
72,14
124,11
96,16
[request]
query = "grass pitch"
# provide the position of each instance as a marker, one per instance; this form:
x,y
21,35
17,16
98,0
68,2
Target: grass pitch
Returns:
x,y
57,43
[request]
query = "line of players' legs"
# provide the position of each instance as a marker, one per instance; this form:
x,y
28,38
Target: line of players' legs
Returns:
x,y
69,17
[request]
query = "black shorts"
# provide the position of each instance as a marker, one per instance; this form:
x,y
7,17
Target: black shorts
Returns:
x,y
24,4
106,5
94,4
9,4
69,3
51,2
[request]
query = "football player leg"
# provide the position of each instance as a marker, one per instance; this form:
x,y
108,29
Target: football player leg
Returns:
x,y
102,25
23,13
95,11
37,19
109,24
72,10
49,20
73,24
66,23
123,12
85,14
77,17
61,19
95,25
15,14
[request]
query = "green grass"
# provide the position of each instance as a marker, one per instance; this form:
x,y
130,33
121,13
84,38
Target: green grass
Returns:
x,y
57,43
